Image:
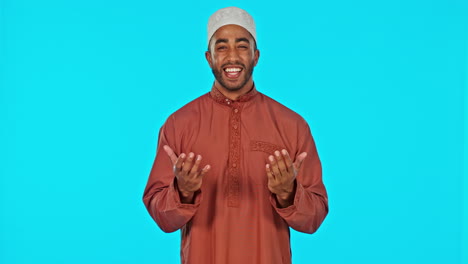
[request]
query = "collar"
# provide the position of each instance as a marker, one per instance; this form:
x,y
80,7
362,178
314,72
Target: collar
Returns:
x,y
220,98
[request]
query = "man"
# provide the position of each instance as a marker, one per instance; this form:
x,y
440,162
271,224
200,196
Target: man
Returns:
x,y
235,169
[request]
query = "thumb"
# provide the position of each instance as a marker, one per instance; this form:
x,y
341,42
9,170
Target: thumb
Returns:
x,y
170,153
299,160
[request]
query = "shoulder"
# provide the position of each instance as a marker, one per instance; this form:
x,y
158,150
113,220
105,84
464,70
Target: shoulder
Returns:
x,y
188,112
281,111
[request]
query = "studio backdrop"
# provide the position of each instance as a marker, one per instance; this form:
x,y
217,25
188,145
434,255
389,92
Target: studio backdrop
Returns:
x,y
86,85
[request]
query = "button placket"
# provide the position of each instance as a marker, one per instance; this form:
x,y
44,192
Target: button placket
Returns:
x,y
234,155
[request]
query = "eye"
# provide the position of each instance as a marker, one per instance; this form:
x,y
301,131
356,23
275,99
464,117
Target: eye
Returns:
x,y
221,48
243,47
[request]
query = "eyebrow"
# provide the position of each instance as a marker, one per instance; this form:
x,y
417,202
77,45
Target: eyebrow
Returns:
x,y
242,39
237,40
221,41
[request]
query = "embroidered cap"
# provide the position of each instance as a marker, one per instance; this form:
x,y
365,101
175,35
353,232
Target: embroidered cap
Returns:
x,y
231,16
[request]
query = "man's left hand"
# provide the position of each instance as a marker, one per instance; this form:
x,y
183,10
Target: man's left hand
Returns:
x,y
282,172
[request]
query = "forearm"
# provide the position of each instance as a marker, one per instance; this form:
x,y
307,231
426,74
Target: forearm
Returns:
x,y
307,211
168,210
310,203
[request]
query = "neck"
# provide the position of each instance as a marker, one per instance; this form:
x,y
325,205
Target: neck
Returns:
x,y
234,95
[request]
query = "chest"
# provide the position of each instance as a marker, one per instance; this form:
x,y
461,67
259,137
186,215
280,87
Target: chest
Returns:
x,y
236,136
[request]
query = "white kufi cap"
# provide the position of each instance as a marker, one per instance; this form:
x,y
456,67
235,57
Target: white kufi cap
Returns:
x,y
231,16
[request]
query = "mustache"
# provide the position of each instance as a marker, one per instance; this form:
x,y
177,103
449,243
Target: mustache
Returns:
x,y
237,63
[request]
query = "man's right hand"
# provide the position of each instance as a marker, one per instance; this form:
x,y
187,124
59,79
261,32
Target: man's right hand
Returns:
x,y
189,177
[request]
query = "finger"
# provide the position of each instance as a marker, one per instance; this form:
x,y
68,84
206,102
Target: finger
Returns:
x,y
170,153
280,162
179,162
299,160
287,160
270,175
194,169
204,171
274,167
188,163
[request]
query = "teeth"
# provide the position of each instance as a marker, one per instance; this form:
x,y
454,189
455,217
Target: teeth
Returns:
x,y
232,69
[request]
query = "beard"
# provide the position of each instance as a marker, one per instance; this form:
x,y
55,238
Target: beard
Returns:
x,y
219,76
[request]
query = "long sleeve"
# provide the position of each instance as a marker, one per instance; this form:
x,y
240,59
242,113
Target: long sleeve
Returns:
x,y
310,205
161,196
234,218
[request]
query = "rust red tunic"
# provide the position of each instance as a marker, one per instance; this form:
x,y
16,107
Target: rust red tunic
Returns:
x,y
235,218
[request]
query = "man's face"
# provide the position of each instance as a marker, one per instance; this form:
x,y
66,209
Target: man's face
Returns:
x,y
232,56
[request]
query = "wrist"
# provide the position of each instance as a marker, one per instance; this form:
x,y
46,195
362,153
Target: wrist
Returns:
x,y
286,198
184,194
187,198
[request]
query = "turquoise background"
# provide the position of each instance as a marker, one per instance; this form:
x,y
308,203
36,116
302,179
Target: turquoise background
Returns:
x,y
85,86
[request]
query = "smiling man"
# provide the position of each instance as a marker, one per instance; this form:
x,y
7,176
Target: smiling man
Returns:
x,y
234,169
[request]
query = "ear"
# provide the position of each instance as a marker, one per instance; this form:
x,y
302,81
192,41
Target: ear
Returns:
x,y
256,56
208,58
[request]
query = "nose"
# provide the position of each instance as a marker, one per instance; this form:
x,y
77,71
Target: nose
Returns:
x,y
233,55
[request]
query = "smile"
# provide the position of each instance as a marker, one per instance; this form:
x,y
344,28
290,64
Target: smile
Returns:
x,y
232,72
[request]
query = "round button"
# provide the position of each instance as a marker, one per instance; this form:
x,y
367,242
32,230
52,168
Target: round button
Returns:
x,y
234,165
234,126
236,110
